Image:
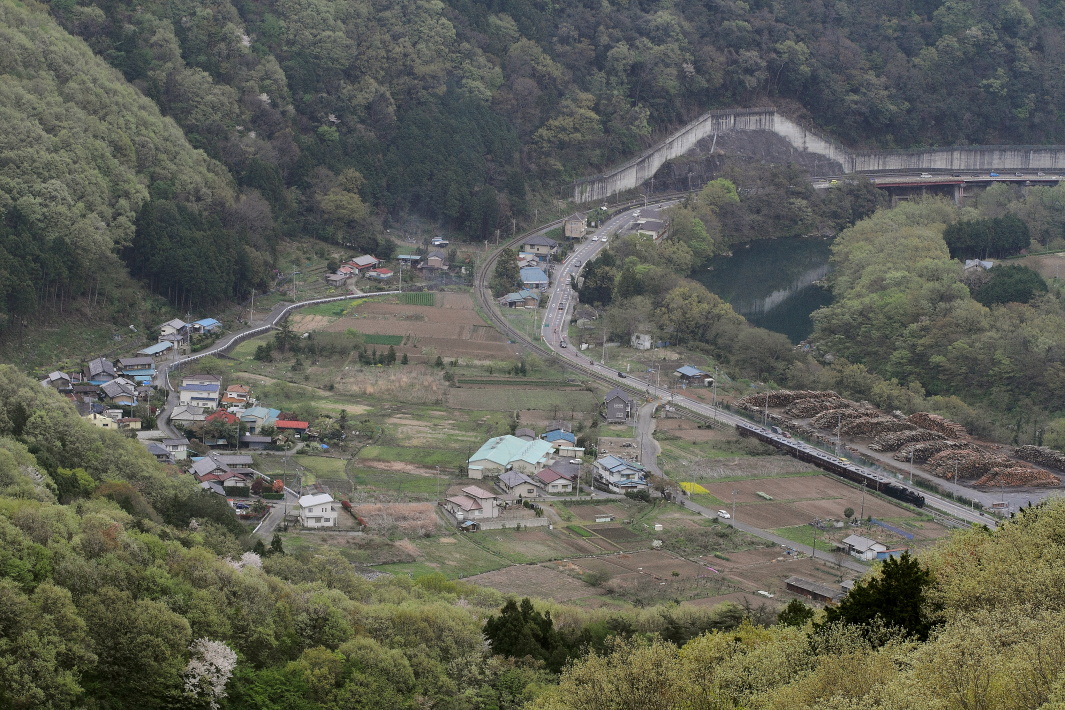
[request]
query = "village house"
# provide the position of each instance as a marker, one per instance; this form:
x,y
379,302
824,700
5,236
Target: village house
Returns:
x,y
205,325
364,262
255,443
160,453
177,448
575,226
60,381
652,223
436,260
173,327
198,392
474,502
554,482
525,433
188,415
691,375
296,427
318,511
618,406
119,391
518,484
540,246
99,371
256,419
533,277
862,547
618,475
137,367
102,420
503,453
129,424
521,299
157,351
408,259
337,280
379,273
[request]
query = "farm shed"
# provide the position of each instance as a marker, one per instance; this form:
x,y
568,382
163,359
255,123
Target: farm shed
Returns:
x,y
813,590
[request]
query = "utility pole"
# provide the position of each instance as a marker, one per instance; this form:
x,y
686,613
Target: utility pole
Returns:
x,y
734,492
294,272
251,312
862,515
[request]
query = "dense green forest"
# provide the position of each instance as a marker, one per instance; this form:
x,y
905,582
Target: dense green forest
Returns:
x,y
328,119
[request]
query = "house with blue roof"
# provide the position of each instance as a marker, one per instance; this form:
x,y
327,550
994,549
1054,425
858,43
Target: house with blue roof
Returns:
x,y
533,277
618,475
689,374
505,453
257,418
521,299
205,325
158,350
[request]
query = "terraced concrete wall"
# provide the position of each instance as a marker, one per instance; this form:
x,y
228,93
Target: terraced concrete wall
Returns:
x,y
640,169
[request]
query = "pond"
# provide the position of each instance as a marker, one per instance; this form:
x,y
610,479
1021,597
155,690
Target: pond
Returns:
x,y
773,283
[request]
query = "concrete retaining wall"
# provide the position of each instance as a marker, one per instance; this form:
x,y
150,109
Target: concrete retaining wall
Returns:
x,y
640,169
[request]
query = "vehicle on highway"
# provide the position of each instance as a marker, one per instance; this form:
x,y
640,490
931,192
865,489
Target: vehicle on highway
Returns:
x,y
833,182
1018,174
595,239
562,344
1041,174
723,514
926,175
561,306
622,374
994,175
955,174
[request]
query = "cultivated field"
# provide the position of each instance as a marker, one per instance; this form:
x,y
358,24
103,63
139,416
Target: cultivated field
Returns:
x,y
537,581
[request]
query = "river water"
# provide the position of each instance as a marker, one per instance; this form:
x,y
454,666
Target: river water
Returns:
x,y
771,282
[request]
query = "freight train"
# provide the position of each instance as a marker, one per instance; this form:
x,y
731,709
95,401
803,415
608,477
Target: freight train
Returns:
x,y
832,464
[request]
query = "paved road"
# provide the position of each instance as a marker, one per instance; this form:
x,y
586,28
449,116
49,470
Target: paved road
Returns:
x,y
562,298
839,560
645,429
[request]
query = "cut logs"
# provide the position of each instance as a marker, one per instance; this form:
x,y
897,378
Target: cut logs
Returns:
x,y
1041,455
781,398
934,422
922,451
875,426
891,441
806,408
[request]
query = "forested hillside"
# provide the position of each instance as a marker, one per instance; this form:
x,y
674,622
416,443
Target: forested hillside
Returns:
x,y
323,117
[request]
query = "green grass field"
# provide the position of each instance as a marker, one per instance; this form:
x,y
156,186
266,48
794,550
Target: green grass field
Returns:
x,y
454,557
425,298
804,535
421,456
398,482
376,339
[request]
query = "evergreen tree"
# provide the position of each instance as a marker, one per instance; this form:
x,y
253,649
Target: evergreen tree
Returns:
x,y
520,631
795,614
898,597
390,356
276,548
506,276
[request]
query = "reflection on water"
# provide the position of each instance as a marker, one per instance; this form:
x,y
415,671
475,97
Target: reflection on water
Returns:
x,y
771,282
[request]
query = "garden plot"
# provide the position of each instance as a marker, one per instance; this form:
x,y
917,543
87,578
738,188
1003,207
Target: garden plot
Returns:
x,y
536,581
709,469
451,328
781,489
773,515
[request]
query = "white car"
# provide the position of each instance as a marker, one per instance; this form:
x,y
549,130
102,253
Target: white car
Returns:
x,y
723,514
595,239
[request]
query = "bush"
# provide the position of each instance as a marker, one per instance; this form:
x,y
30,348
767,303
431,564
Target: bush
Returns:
x,y
642,496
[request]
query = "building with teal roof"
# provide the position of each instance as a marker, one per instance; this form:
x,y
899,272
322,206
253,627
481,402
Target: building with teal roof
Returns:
x,y
505,453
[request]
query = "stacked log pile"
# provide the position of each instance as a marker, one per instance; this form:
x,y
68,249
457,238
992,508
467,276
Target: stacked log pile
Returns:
x,y
989,470
812,406
780,398
893,440
924,450
1041,455
839,417
934,422
875,426
1019,474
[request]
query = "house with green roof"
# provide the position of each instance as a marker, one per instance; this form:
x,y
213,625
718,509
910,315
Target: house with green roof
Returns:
x,y
509,453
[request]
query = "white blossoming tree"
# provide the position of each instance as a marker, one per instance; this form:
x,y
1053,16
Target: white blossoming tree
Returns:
x,y
209,670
